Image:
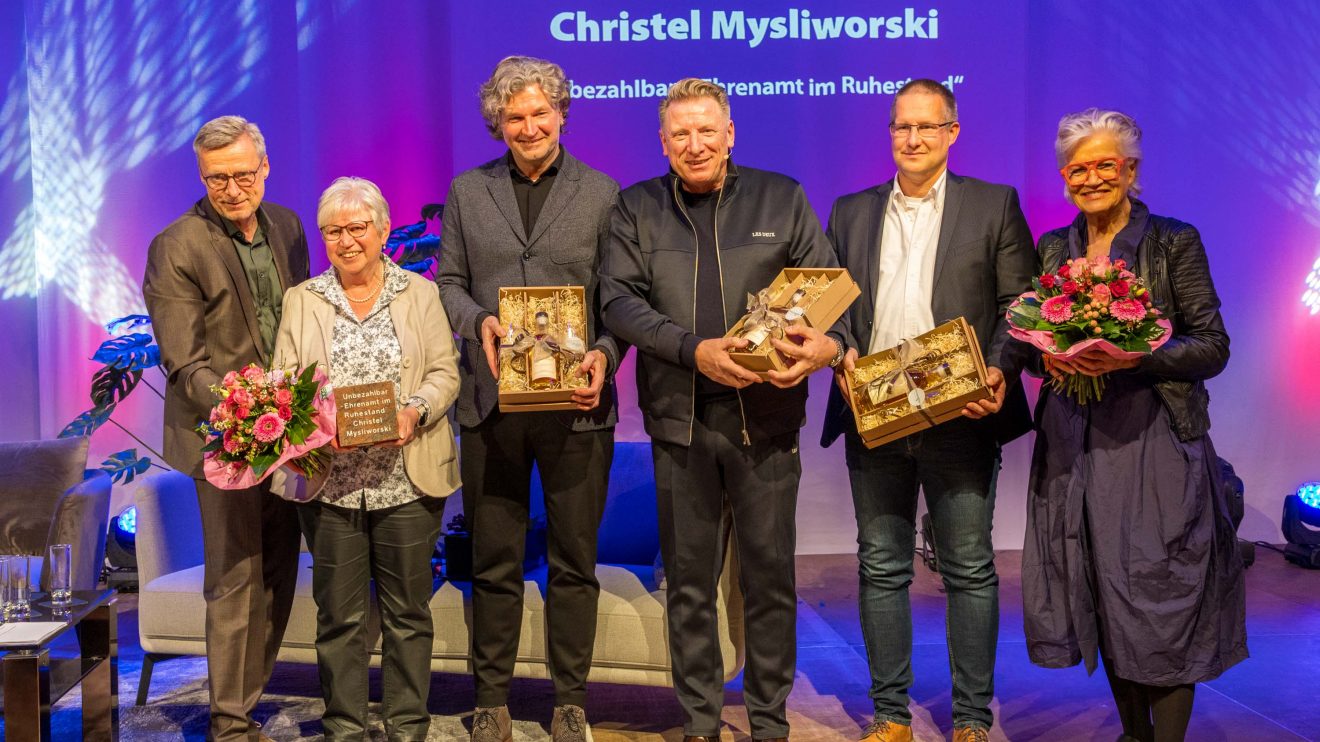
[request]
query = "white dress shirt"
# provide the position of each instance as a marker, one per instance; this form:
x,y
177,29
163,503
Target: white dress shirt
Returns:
x,y
907,266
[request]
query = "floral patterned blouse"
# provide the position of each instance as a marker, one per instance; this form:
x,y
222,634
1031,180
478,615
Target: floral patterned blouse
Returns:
x,y
362,352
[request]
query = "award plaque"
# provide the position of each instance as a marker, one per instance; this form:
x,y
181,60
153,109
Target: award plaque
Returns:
x,y
366,414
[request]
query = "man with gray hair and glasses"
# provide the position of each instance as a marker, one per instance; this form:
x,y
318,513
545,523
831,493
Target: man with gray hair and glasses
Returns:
x,y
214,283
535,216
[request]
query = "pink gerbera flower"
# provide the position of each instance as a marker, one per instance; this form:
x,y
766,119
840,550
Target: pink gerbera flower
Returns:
x,y
1057,309
268,428
1128,310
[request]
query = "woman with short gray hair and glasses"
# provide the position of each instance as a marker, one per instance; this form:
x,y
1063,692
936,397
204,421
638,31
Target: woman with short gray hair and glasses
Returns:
x,y
1130,556
376,515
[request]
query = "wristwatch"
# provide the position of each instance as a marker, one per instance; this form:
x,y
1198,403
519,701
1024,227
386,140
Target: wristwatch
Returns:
x,y
423,409
838,356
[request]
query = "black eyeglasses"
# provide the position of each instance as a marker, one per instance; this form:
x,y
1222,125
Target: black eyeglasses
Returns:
x,y
220,181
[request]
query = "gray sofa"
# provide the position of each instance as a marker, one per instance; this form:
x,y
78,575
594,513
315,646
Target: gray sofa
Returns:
x,y
46,497
631,641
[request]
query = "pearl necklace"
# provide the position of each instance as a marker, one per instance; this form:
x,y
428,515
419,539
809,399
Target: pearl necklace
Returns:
x,y
380,284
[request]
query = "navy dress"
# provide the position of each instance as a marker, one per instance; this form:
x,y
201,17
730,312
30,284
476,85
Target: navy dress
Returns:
x,y
1130,552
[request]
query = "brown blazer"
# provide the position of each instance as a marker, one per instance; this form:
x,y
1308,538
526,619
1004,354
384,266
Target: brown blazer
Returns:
x,y
429,369
203,314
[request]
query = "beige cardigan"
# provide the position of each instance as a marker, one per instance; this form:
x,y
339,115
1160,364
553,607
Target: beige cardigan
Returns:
x,y
429,370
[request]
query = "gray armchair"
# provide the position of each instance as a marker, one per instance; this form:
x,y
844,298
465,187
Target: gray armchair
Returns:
x,y
46,499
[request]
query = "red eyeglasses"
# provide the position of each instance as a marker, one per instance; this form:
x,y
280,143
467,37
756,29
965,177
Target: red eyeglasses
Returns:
x,y
1077,173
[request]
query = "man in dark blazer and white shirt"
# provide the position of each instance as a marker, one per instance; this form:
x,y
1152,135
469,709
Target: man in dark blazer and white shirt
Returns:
x,y
533,217
928,247
214,284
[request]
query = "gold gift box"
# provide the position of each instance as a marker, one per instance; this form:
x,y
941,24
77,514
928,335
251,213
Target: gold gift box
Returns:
x,y
566,307
951,371
828,294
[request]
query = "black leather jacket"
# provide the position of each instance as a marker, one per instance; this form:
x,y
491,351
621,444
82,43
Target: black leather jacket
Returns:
x,y
1171,261
763,224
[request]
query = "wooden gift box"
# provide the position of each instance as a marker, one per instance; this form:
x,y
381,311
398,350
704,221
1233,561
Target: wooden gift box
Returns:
x,y
897,417
566,305
821,314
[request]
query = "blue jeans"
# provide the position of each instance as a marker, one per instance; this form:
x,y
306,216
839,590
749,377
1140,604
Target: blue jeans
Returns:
x,y
955,464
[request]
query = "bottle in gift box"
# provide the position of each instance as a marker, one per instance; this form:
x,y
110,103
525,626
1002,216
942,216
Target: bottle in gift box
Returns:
x,y
757,335
545,362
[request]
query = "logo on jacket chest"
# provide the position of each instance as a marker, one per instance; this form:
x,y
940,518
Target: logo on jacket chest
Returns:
x,y
763,234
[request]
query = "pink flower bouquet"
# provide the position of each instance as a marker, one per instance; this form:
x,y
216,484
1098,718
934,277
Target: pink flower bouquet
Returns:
x,y
265,419
1088,304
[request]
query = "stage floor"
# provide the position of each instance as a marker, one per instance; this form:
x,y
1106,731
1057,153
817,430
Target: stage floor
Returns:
x,y
1266,698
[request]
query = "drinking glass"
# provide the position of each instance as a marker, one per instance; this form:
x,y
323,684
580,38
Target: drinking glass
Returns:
x,y
61,564
18,601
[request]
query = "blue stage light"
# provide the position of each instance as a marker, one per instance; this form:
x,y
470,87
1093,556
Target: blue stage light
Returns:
x,y
127,522
121,551
1309,494
1301,526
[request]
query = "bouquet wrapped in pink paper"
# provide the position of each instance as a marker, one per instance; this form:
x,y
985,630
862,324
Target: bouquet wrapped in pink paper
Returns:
x,y
1088,304
265,419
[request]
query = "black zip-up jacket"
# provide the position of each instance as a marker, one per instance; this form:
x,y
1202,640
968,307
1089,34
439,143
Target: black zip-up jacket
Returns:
x,y
1171,262
763,224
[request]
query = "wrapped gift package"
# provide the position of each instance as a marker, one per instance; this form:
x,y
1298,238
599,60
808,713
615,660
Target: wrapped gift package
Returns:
x,y
816,297
922,382
546,340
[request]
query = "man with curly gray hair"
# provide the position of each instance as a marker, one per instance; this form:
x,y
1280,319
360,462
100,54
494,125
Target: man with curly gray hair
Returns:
x,y
535,216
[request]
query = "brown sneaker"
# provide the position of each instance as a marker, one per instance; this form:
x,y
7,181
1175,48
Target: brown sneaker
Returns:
x,y
492,724
569,724
887,731
971,734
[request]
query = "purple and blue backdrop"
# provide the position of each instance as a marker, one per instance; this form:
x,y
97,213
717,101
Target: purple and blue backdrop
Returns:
x,y
101,100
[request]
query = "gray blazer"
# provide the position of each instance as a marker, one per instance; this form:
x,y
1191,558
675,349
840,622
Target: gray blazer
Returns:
x,y
484,249
203,314
984,260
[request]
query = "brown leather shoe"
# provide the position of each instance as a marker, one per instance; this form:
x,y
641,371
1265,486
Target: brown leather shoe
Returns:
x,y
887,731
971,734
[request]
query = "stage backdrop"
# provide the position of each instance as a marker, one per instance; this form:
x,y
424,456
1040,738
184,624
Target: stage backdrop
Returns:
x,y
101,100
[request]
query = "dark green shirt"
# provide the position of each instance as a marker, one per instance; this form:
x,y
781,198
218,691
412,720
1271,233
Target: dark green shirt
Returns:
x,y
263,278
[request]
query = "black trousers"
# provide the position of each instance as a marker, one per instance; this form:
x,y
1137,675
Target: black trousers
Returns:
x,y
350,549
760,483
497,459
